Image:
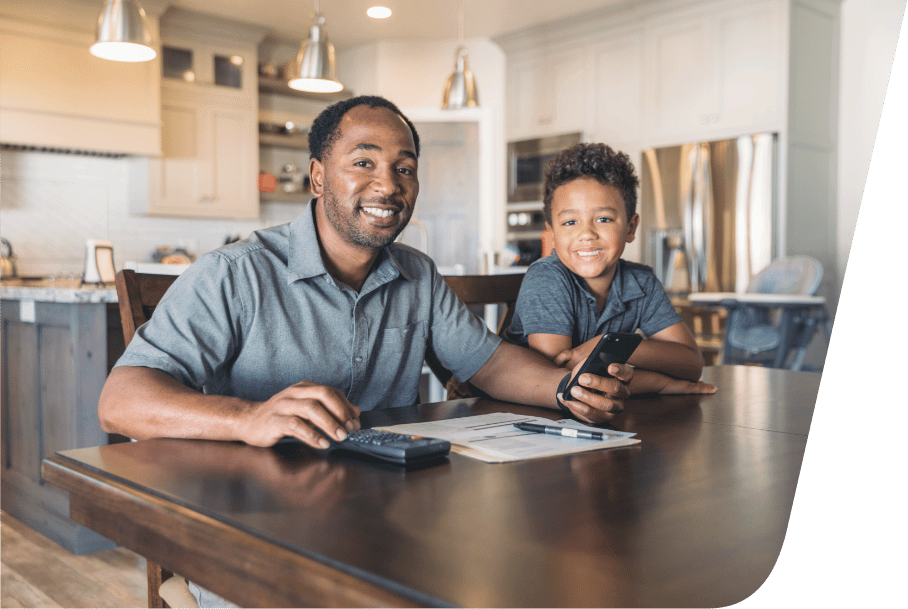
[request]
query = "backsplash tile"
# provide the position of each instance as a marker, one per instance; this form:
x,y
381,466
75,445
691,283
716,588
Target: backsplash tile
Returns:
x,y
51,203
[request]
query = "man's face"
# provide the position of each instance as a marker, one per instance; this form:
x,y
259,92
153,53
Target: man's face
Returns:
x,y
367,180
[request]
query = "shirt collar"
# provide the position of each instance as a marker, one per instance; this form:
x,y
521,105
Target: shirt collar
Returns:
x,y
305,257
624,289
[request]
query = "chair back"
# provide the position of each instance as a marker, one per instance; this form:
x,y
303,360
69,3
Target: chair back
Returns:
x,y
488,289
791,275
477,290
138,295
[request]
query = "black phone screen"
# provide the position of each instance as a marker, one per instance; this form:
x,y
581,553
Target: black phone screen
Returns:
x,y
612,348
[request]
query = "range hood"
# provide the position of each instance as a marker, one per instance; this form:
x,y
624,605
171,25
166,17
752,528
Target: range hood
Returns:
x,y
56,96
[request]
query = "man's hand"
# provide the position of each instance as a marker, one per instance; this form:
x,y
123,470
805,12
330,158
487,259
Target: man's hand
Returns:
x,y
599,407
300,411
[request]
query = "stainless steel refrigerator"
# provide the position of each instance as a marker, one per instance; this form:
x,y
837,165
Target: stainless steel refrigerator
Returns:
x,y
707,212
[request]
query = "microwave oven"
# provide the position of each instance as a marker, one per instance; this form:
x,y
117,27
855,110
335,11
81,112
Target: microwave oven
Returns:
x,y
527,160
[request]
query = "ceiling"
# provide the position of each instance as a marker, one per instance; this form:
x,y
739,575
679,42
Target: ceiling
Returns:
x,y
348,26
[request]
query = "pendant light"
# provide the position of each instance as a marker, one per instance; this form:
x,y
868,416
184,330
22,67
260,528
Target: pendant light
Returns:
x,y
315,63
123,33
460,90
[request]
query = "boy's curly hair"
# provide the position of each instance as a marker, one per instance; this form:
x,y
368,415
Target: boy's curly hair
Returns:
x,y
326,127
596,161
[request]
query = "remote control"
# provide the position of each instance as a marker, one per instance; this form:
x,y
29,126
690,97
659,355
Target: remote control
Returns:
x,y
394,447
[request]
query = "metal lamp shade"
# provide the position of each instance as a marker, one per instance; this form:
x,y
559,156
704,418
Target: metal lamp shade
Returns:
x,y
460,89
315,65
123,33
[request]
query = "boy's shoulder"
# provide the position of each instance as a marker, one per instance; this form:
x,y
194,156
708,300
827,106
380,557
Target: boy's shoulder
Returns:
x,y
547,269
636,268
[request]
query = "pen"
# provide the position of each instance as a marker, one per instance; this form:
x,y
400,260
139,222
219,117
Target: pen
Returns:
x,y
560,431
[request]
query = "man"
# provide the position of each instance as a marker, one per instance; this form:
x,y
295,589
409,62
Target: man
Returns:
x,y
295,330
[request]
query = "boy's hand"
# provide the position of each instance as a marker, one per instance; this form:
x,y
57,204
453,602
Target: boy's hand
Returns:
x,y
569,358
586,404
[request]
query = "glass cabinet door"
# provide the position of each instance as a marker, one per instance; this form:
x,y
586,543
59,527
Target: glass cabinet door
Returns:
x,y
178,63
202,66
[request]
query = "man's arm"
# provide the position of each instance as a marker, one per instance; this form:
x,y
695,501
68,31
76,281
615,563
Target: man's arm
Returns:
x,y
521,375
146,403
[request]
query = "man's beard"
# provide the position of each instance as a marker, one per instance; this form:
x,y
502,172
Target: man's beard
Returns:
x,y
346,224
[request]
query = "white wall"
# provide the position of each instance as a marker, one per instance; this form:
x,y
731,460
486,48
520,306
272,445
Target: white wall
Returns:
x,y
869,32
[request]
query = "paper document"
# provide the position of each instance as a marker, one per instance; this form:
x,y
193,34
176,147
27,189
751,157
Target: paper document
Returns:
x,y
493,437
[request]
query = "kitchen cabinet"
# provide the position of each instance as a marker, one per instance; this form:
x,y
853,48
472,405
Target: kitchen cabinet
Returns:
x,y
209,165
546,93
58,346
56,94
714,70
616,92
209,136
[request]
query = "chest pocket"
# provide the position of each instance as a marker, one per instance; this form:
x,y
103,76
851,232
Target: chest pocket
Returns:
x,y
400,353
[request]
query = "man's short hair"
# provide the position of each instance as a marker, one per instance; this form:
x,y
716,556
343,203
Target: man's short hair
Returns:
x,y
326,126
596,161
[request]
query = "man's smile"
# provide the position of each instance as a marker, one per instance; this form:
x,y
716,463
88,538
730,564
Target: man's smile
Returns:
x,y
378,212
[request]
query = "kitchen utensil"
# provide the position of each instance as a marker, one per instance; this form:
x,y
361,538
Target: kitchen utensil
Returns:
x,y
8,259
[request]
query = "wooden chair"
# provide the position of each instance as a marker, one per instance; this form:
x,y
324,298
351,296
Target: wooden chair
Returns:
x,y
138,295
477,290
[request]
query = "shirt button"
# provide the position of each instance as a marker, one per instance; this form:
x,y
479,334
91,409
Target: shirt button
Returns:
x,y
358,359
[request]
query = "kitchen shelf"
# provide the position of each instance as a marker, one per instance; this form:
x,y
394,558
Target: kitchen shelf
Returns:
x,y
524,235
285,197
274,140
279,86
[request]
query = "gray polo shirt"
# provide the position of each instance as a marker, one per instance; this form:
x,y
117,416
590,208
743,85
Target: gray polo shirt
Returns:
x,y
257,316
553,300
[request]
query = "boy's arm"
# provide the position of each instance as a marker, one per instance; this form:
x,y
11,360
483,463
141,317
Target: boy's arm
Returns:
x,y
672,351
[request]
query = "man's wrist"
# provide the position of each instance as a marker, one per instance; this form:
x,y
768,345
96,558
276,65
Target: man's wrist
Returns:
x,y
562,386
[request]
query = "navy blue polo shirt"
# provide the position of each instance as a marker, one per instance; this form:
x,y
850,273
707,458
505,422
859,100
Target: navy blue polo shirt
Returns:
x,y
553,300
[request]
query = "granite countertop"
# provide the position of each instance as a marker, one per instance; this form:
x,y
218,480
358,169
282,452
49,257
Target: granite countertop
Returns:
x,y
56,290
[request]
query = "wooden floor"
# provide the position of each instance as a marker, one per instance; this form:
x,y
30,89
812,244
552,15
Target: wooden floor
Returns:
x,y
36,572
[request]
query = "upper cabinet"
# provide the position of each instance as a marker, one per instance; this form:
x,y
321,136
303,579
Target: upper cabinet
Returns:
x,y
56,94
615,94
714,70
546,93
656,74
209,116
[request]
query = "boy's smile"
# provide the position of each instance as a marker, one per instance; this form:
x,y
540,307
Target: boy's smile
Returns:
x,y
590,228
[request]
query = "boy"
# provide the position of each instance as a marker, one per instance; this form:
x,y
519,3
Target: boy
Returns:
x,y
570,299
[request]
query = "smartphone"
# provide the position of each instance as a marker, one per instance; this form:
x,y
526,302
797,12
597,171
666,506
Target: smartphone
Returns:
x,y
612,348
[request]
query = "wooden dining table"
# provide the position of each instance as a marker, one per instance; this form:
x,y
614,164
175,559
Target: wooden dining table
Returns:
x,y
693,515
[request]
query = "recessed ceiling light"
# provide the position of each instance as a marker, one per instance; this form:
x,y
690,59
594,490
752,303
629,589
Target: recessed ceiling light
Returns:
x,y
379,12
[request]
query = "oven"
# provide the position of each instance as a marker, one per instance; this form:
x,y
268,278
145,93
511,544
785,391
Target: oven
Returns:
x,y
525,222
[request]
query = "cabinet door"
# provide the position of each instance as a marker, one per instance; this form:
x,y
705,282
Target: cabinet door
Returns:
x,y
749,68
234,163
209,165
616,108
525,100
547,94
566,86
180,179
681,95
716,73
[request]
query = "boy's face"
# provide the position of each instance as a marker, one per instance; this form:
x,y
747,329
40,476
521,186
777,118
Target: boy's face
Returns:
x,y
590,227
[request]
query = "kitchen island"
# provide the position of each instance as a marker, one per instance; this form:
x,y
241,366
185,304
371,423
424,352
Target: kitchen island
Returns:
x,y
59,341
